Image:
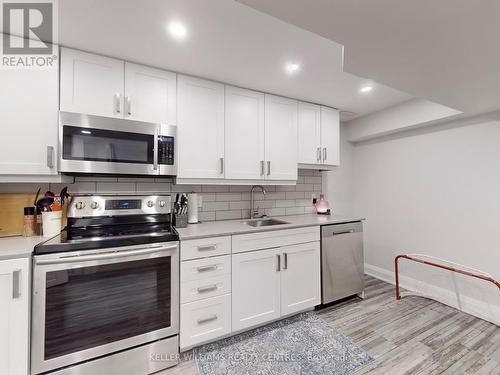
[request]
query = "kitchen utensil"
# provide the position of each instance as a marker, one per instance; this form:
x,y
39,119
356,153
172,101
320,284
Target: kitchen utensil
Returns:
x,y
36,196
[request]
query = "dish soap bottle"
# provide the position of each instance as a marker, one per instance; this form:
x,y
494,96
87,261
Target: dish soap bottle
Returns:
x,y
322,206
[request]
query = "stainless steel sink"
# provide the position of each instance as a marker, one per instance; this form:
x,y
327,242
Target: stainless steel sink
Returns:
x,y
264,222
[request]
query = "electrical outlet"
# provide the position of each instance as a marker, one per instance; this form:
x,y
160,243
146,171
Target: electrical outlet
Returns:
x,y
200,201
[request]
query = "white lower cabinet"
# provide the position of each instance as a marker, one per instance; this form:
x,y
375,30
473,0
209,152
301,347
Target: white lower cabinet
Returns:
x,y
300,277
205,320
256,288
14,316
267,275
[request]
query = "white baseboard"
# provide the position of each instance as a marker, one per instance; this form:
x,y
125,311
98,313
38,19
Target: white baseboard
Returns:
x,y
466,304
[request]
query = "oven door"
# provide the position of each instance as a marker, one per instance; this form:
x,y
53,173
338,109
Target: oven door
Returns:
x,y
94,144
90,303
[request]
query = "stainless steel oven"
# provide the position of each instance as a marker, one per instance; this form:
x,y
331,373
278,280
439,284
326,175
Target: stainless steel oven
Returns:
x,y
101,145
88,304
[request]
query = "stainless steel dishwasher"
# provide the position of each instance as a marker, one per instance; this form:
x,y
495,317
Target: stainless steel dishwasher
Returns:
x,y
342,261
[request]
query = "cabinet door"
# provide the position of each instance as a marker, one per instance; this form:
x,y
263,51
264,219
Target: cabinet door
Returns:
x,y
28,118
14,316
300,277
244,134
255,288
91,84
150,94
281,138
330,136
309,139
200,129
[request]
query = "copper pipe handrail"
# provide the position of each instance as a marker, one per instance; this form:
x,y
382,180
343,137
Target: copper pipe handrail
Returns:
x,y
448,268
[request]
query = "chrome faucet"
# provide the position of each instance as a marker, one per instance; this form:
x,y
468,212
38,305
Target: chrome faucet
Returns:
x,y
255,212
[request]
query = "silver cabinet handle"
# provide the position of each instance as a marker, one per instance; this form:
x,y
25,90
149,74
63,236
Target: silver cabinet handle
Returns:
x,y
129,105
16,284
318,154
155,150
207,319
285,261
268,167
206,268
208,288
262,168
207,247
221,160
324,154
50,156
117,102
278,267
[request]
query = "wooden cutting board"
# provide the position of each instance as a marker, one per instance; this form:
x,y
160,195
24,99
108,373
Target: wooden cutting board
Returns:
x,y
12,213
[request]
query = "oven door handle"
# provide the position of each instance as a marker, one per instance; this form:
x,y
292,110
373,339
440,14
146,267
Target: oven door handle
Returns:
x,y
110,255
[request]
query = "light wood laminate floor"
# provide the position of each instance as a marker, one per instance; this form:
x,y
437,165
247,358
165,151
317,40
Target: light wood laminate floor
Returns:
x,y
415,335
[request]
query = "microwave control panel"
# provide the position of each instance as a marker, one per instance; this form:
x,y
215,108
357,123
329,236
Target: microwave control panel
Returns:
x,y
166,150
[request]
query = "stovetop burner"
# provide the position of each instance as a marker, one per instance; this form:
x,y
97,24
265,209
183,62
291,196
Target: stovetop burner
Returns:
x,y
88,228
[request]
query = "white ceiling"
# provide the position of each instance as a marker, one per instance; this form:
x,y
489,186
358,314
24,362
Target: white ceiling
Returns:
x,y
446,51
227,41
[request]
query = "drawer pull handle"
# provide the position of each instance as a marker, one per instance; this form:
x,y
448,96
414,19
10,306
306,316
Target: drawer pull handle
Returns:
x,y
207,319
208,288
207,268
207,247
16,284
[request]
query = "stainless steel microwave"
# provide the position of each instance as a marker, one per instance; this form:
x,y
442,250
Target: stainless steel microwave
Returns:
x,y
102,145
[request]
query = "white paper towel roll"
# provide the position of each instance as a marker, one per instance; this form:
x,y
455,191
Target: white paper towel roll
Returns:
x,y
192,208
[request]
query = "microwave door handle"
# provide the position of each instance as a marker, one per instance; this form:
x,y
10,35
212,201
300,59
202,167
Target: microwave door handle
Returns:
x,y
155,152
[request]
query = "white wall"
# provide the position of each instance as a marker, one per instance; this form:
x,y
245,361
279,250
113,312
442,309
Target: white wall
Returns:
x,y
434,191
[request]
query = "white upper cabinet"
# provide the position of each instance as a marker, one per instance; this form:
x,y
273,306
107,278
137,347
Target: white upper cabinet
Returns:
x,y
91,84
319,136
309,133
150,94
28,118
200,130
300,277
245,158
330,136
14,316
281,138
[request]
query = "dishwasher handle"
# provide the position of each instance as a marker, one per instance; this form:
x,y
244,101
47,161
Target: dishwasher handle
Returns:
x,y
343,232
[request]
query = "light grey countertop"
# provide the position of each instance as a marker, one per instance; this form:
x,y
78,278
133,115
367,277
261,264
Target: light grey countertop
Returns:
x,y
229,227
18,246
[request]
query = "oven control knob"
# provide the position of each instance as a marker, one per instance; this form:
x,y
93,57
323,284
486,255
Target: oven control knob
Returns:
x,y
150,204
162,204
94,205
80,205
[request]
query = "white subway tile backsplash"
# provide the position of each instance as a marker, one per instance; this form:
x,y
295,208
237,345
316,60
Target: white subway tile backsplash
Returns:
x,y
239,205
220,202
228,197
294,195
153,187
227,215
115,187
294,210
215,206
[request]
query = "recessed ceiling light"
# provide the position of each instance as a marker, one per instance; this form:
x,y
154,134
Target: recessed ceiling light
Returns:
x,y
366,89
177,30
292,68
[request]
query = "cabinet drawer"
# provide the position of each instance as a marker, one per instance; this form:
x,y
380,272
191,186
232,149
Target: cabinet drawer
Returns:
x,y
205,320
205,247
205,288
275,238
204,268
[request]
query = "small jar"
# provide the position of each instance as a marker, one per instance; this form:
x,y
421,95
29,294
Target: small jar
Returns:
x,y
29,221
38,224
